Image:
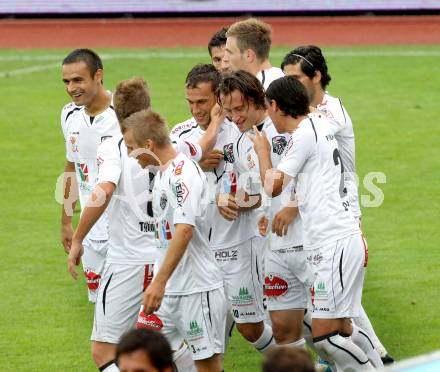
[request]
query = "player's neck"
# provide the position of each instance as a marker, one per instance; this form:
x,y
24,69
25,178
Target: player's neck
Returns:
x,y
318,98
101,102
292,123
261,117
260,66
165,156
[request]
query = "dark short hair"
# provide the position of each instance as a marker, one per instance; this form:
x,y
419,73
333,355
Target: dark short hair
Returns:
x,y
217,40
290,96
88,56
287,359
130,96
252,34
153,343
203,73
247,84
311,59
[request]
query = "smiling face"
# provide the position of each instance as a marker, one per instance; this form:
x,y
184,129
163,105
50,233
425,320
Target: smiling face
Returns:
x,y
80,84
201,100
243,113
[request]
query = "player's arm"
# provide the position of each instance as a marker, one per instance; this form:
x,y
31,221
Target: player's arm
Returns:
x,y
70,187
154,293
207,142
94,209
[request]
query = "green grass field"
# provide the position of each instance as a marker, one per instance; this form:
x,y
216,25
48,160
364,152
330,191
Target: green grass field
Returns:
x,y
392,95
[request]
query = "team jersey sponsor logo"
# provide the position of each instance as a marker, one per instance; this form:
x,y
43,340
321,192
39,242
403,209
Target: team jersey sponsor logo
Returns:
x,y
178,170
151,321
321,292
228,152
73,139
163,200
146,226
243,298
103,138
251,162
194,331
92,280
192,149
83,170
278,144
181,192
226,255
181,128
275,286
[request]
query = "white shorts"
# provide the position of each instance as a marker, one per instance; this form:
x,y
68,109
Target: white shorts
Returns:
x,y
93,261
288,279
119,299
242,278
199,319
339,276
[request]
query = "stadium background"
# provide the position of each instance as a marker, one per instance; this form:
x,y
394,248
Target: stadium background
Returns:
x,y
384,66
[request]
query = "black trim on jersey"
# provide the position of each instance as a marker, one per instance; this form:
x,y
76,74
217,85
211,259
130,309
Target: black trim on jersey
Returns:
x,y
119,146
188,130
71,112
108,364
313,126
92,119
307,325
111,106
328,335
340,270
342,108
219,177
260,127
195,164
105,293
238,142
232,328
209,235
263,77
256,265
209,307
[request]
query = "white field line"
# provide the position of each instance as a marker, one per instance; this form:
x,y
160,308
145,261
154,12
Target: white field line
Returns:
x,y
190,55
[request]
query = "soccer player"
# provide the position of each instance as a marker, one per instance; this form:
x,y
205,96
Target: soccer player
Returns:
x,y
330,233
309,66
247,48
216,48
86,122
186,293
142,350
126,188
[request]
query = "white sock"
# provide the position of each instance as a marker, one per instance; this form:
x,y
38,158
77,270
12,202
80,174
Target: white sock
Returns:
x,y
346,355
301,344
183,361
109,367
361,339
265,341
364,323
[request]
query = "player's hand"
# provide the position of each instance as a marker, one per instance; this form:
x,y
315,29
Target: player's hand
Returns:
x,y
212,160
75,254
262,224
153,297
66,236
261,144
283,219
227,206
218,115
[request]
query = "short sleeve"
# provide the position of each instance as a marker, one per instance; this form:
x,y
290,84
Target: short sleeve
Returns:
x,y
109,161
299,149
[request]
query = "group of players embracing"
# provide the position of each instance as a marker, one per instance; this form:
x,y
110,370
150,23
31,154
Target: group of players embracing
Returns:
x,y
247,213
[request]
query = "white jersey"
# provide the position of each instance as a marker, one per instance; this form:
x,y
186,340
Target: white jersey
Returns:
x,y
313,160
247,167
179,198
343,131
83,134
130,212
221,232
267,76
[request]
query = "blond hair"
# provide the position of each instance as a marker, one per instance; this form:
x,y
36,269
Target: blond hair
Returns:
x,y
147,125
252,34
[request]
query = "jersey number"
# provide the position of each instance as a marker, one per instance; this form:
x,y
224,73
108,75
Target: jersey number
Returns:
x,y
342,189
